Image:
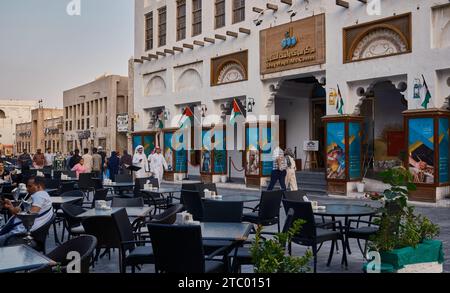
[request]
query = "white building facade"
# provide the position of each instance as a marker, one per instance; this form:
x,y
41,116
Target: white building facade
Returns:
x,y
295,59
13,112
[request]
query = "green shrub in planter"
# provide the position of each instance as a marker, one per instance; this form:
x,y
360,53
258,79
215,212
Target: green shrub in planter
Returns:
x,y
269,255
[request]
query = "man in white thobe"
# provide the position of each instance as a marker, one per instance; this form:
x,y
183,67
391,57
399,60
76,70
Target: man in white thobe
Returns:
x,y
157,164
140,160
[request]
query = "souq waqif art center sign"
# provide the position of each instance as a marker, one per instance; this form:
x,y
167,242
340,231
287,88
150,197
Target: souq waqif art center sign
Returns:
x,y
293,45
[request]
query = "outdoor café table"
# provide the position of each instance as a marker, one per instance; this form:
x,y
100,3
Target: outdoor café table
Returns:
x,y
119,186
21,258
132,212
345,211
236,198
225,231
57,201
162,191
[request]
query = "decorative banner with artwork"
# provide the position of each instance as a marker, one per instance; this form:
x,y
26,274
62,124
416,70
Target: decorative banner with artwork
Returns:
x,y
266,148
137,140
205,162
179,147
220,152
354,153
421,149
336,150
168,151
252,167
444,150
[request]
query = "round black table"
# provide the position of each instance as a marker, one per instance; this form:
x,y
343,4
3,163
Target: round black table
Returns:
x,y
345,211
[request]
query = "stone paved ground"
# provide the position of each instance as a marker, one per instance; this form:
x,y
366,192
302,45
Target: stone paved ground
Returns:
x,y
441,216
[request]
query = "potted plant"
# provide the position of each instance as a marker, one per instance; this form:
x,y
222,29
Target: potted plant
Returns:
x,y
219,157
270,256
404,239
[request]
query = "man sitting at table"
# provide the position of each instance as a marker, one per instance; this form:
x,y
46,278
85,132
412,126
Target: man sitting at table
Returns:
x,y
41,204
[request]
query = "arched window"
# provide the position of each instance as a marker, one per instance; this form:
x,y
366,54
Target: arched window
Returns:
x,y
2,114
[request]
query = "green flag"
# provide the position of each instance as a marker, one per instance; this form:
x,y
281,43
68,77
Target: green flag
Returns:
x,y
340,102
427,99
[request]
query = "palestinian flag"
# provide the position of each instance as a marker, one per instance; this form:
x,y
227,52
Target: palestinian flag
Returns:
x,y
427,99
235,112
187,114
340,102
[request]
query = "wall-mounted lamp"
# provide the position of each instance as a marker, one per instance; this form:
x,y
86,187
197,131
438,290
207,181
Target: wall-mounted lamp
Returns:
x,y
204,109
166,114
250,104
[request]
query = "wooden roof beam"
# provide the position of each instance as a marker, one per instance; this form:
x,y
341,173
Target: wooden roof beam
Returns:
x,y
287,2
220,37
138,61
161,53
168,51
146,58
199,43
210,40
342,3
257,9
179,49
272,7
153,56
244,30
188,46
232,34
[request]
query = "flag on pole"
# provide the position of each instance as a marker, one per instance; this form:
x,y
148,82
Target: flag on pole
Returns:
x,y
340,102
187,114
235,112
427,99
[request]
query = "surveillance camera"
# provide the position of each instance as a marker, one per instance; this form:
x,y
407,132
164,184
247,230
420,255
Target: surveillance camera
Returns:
x,y
257,22
293,13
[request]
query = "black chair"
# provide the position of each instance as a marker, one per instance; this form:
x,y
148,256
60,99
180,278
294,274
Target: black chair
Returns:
x,y
124,178
193,203
52,183
222,211
210,186
39,237
84,245
138,186
355,230
168,216
70,174
71,222
267,213
100,194
86,184
104,229
130,253
57,175
171,257
67,186
137,202
314,235
152,199
296,195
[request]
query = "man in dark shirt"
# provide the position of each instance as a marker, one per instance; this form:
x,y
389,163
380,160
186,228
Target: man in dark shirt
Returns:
x,y
126,159
75,159
25,160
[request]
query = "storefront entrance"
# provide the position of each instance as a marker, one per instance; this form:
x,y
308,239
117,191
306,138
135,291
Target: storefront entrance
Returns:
x,y
301,104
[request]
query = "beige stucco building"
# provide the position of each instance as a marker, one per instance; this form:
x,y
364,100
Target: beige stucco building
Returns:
x,y
43,132
92,112
13,112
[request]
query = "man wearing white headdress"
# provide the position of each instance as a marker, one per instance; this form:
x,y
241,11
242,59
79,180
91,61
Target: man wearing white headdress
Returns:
x,y
140,160
157,164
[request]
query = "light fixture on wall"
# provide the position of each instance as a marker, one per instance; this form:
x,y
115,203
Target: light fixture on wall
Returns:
x,y
258,21
204,109
250,105
166,114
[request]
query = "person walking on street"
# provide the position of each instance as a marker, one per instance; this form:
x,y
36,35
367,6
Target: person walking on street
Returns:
x,y
75,159
140,161
79,168
49,158
25,160
113,166
279,169
157,164
39,160
291,177
87,160
125,160
96,163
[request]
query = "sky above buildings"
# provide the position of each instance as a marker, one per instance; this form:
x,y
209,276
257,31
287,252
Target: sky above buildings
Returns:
x,y
44,50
